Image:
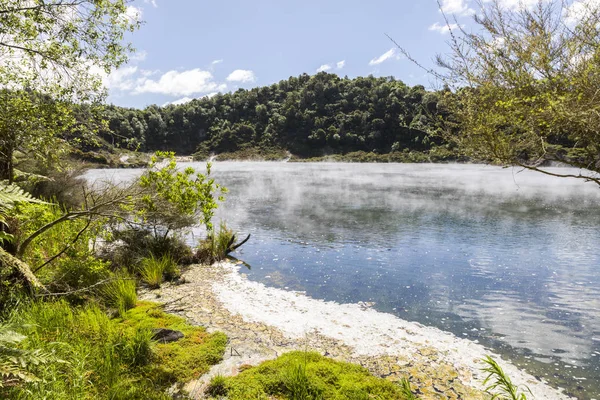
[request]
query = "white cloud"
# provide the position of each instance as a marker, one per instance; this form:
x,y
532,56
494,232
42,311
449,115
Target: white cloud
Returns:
x,y
182,101
324,67
139,56
391,53
443,29
457,7
241,75
121,79
186,99
580,10
153,2
182,83
215,62
340,64
133,13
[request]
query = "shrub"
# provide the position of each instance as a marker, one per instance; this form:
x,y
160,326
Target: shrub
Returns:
x,y
136,244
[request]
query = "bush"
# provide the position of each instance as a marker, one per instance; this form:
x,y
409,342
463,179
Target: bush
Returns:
x,y
216,387
77,267
137,244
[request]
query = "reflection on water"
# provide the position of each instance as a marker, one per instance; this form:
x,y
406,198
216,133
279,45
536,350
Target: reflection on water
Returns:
x,y
504,257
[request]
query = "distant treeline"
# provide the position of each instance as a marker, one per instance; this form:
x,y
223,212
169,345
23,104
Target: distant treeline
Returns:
x,y
309,116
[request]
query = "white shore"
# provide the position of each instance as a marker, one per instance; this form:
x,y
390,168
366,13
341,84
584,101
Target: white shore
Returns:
x,y
262,322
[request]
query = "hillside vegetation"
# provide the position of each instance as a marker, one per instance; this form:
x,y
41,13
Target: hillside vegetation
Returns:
x,y
308,116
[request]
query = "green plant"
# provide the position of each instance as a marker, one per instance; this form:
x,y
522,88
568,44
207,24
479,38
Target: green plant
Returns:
x,y
217,245
498,380
309,375
406,390
298,385
152,270
120,293
217,386
16,362
175,198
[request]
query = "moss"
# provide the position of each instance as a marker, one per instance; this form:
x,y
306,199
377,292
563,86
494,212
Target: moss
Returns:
x,y
308,375
185,359
92,356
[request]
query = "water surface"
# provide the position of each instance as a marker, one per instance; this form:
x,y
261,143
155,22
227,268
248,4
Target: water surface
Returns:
x,y
505,257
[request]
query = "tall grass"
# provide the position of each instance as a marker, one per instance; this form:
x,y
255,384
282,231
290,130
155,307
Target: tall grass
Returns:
x,y
216,245
154,269
99,358
120,293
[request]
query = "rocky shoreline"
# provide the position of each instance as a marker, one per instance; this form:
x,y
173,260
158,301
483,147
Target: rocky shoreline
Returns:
x,y
262,323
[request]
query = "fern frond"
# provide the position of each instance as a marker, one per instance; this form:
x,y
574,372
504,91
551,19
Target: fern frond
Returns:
x,y
11,194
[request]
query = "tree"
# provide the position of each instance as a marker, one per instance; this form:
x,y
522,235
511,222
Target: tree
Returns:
x,y
53,53
525,85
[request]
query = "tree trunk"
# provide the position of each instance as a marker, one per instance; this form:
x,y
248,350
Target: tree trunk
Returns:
x,y
6,164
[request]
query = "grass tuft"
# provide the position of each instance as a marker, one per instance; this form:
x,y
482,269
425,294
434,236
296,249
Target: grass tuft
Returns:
x,y
153,270
120,294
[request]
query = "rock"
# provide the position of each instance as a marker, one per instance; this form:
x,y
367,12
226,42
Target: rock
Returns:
x,y
163,335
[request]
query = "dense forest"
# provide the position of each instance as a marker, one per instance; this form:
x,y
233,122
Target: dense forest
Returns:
x,y
309,116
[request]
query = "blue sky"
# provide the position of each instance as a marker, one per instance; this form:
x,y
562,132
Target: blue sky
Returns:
x,y
191,48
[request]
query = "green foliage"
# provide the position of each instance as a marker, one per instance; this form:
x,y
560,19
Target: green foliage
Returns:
x,y
95,357
77,267
298,385
15,362
216,245
309,116
308,375
524,85
174,197
185,359
407,390
11,195
137,244
44,46
499,381
216,387
154,269
120,293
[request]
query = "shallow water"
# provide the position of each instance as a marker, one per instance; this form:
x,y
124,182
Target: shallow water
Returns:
x,y
505,257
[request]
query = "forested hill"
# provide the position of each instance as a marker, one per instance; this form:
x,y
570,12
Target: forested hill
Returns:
x,y
308,116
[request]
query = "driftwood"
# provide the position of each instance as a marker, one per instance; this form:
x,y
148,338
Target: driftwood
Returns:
x,y
231,247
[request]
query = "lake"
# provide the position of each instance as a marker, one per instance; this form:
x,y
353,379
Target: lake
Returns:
x,y
505,257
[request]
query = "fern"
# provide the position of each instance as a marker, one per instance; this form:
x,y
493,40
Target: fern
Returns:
x,y
10,195
15,362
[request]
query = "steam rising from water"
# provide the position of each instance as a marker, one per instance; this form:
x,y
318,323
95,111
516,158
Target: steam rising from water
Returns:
x,y
505,257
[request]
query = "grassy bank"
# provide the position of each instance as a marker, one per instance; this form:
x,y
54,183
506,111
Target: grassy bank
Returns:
x,y
305,375
82,353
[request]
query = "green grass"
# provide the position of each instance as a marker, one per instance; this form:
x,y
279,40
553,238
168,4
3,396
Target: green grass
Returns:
x,y
96,357
306,376
120,294
153,270
216,246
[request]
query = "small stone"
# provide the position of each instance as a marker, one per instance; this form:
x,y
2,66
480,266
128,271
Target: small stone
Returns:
x,y
163,335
